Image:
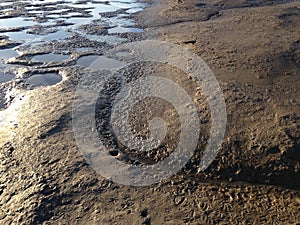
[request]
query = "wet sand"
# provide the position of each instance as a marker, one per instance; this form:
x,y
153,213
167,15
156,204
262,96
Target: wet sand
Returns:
x,y
253,50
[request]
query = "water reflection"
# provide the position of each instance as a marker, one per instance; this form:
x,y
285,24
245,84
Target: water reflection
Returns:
x,y
37,18
99,62
50,57
15,22
117,30
5,77
7,54
42,80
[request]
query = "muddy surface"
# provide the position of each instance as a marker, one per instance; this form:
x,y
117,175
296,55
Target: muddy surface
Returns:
x,y
253,48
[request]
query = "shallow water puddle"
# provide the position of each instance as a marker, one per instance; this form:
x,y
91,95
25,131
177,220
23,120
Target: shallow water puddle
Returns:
x,y
77,21
109,39
96,7
122,22
34,39
50,57
126,5
16,22
99,62
58,11
117,30
57,14
73,14
134,10
101,8
5,77
58,35
42,80
8,53
5,3
31,8
2,104
22,36
37,11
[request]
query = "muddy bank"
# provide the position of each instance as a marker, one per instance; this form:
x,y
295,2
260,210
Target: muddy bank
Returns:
x,y
253,50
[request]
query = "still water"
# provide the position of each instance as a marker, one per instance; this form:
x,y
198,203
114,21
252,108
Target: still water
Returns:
x,y
38,23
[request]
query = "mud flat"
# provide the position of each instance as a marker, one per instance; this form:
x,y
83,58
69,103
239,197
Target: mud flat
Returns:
x,y
253,48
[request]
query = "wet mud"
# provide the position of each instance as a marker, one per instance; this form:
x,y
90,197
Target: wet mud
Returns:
x,y
252,47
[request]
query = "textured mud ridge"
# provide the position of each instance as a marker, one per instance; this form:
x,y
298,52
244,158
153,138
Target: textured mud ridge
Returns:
x,y
145,111
257,72
251,46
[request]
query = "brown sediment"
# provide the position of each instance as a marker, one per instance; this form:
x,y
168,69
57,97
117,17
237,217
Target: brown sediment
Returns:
x,y
253,50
